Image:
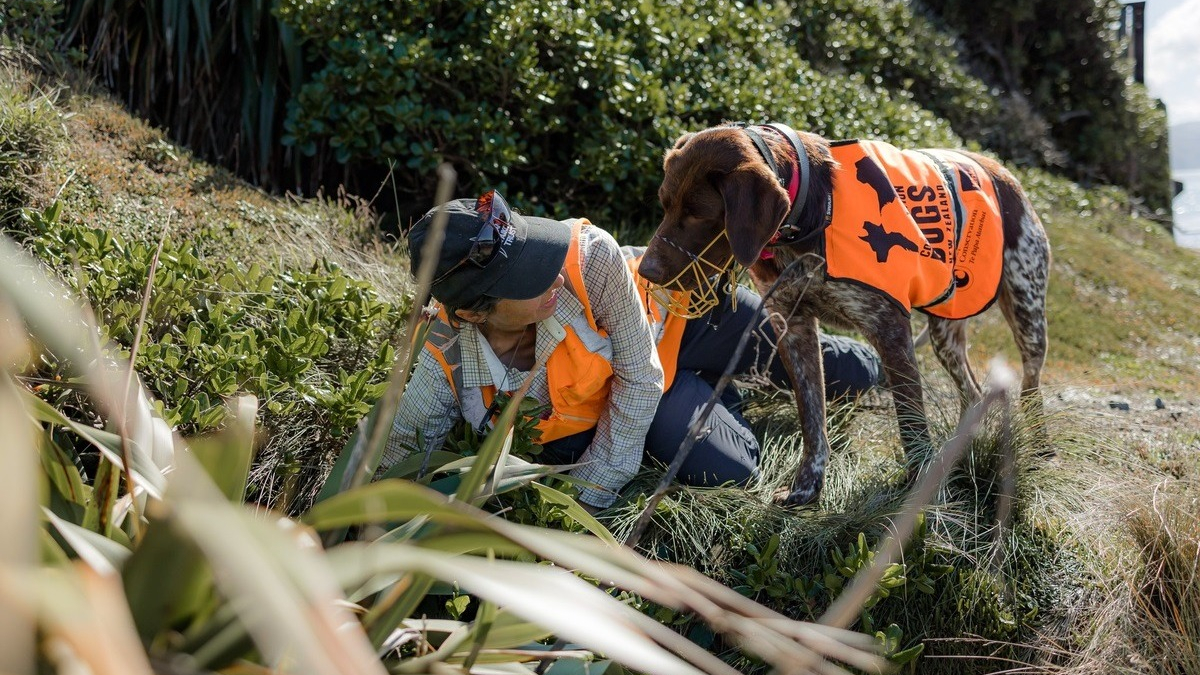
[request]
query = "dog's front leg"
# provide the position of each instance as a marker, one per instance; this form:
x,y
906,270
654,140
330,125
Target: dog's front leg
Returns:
x,y
801,355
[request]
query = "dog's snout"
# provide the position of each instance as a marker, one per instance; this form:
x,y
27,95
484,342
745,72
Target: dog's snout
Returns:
x,y
651,268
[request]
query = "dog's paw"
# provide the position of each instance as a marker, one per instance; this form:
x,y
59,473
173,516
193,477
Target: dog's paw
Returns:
x,y
795,498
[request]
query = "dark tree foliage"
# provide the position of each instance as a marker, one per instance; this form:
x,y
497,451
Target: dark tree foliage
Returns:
x,y
568,106
217,74
901,46
1064,59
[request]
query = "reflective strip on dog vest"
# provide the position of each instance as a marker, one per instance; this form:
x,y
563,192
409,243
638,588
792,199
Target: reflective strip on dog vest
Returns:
x,y
923,227
578,372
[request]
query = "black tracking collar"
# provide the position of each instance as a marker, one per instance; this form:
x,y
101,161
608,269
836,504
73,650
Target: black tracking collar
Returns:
x,y
788,232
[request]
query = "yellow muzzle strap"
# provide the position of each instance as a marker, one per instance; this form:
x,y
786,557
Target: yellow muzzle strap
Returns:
x,y
708,277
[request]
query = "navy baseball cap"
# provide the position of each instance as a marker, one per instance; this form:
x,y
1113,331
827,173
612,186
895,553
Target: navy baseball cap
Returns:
x,y
491,250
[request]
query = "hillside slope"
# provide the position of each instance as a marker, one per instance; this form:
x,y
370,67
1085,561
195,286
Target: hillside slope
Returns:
x,y
1124,327
1123,299
295,301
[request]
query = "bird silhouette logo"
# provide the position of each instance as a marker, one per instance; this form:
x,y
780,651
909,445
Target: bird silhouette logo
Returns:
x,y
871,175
962,279
881,241
966,179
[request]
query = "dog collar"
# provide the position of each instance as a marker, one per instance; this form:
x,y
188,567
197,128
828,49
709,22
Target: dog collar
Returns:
x,y
792,237
796,186
797,195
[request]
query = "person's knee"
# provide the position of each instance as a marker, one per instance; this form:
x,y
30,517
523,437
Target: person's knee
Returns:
x,y
727,454
851,367
710,474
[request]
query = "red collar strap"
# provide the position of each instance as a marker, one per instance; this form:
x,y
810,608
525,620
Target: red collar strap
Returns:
x,y
793,186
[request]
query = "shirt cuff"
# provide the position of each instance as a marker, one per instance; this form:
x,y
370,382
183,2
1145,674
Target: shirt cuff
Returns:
x,y
597,497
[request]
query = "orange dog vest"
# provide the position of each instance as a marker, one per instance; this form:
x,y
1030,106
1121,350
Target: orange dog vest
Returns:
x,y
922,226
579,380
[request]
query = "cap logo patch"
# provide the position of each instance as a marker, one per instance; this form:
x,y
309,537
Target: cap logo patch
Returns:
x,y
506,234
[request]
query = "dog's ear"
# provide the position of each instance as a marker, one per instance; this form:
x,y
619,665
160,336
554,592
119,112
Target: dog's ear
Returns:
x,y
755,205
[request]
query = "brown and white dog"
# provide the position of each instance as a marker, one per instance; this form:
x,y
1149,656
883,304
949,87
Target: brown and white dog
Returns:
x,y
862,233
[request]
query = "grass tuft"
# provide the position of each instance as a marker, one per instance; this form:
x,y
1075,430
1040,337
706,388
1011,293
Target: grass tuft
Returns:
x,y
1162,595
979,597
31,128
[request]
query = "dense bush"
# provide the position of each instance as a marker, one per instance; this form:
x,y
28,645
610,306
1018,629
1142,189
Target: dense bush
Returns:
x,y
567,107
570,106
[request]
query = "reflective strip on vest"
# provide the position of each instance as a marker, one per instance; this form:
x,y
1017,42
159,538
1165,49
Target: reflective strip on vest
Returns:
x,y
923,227
443,344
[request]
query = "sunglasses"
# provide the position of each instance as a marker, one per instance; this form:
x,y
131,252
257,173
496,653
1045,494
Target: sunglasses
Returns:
x,y
495,216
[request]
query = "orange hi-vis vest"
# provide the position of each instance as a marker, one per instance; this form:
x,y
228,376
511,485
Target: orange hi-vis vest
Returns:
x,y
578,378
922,226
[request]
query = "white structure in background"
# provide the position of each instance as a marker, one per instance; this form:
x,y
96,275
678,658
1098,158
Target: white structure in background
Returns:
x,y
1187,209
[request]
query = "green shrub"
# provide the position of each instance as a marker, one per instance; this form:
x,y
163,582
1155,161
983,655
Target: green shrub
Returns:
x,y
569,107
565,107
314,346
32,24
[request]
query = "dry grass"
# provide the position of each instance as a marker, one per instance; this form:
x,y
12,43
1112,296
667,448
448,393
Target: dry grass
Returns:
x,y
112,168
1142,613
112,171
1165,596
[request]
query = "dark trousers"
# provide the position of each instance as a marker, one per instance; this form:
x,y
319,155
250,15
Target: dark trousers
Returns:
x,y
728,451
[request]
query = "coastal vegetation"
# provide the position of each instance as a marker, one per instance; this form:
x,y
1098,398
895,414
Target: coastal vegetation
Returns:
x,y
262,327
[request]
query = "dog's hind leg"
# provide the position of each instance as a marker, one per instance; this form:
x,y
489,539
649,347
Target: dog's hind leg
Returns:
x,y
949,339
1023,302
800,352
1026,315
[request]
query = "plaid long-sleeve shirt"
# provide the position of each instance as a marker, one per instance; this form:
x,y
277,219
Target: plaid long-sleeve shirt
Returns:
x,y
430,408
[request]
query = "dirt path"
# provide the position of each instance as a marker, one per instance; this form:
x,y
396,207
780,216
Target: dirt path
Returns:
x,y
1163,431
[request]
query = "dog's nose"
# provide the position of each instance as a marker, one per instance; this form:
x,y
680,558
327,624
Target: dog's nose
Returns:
x,y
651,269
